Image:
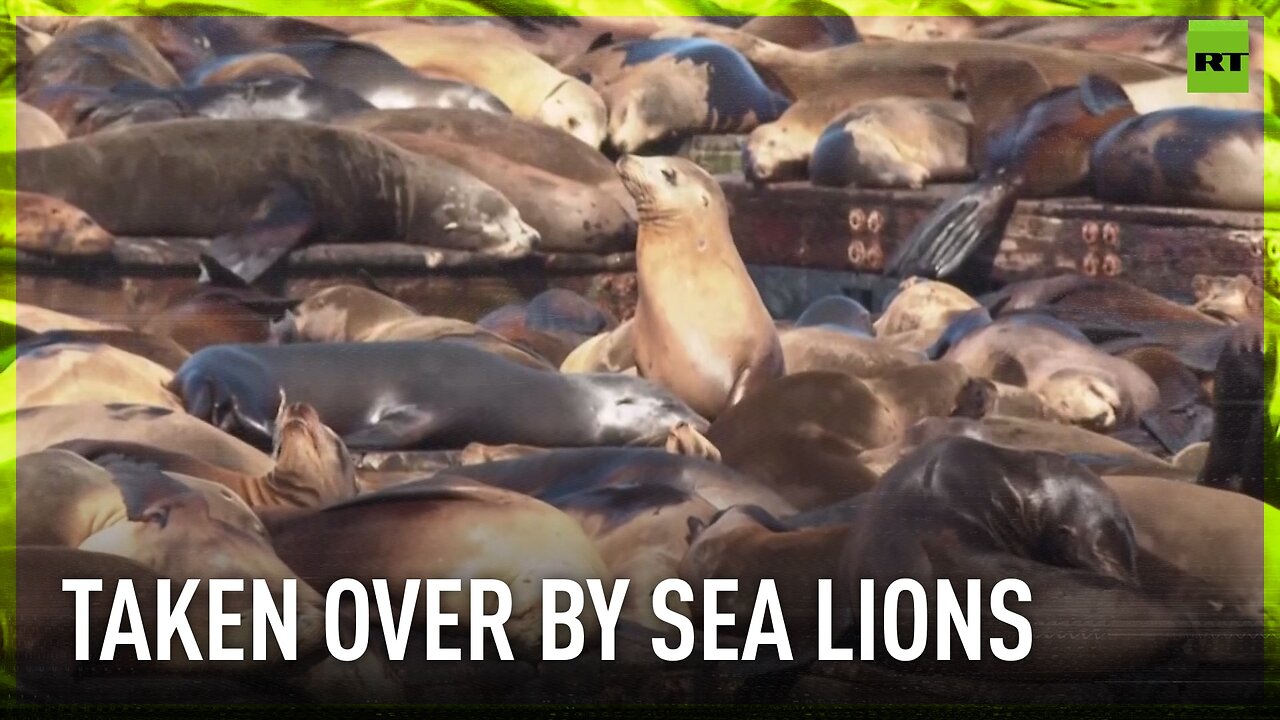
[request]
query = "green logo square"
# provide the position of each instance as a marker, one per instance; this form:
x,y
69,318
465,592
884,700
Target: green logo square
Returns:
x,y
1218,56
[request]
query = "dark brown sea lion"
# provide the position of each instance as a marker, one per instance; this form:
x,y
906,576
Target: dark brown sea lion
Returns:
x,y
659,91
780,150
704,334
1188,156
339,194
466,531
552,324
212,314
1236,446
404,395
894,142
1042,149
532,88
49,226
99,53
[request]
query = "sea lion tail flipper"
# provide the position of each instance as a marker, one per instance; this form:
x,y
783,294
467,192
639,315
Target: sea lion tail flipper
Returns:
x,y
963,233
399,428
281,222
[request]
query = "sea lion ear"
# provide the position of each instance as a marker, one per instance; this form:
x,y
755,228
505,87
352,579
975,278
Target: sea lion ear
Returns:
x,y
1102,95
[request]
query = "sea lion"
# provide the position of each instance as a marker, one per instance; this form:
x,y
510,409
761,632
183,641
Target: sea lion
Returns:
x,y
161,351
402,395
1187,156
959,509
34,128
71,373
73,107
552,324
1086,386
839,312
213,314
805,33
529,86
659,91
1171,92
99,53
918,28
35,319
1043,149
49,226
44,427
251,66
568,216
226,168
780,150
823,348
1155,39
1234,299
1240,424
382,80
705,334
921,309
428,531
311,466
894,142
612,351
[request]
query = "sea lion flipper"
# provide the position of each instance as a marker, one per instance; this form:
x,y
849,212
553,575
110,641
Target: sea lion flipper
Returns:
x,y
281,222
1101,95
961,235
397,429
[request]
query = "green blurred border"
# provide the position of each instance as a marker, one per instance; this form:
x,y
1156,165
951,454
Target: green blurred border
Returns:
x,y
15,8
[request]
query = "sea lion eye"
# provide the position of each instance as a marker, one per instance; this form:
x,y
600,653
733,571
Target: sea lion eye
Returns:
x,y
670,175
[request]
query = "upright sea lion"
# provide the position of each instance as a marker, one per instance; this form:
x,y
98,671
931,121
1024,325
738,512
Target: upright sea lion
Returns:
x,y
1235,299
402,395
837,311
663,90
568,216
894,142
44,427
959,509
465,532
1188,156
224,169
35,129
99,53
382,80
532,88
780,150
1042,150
49,226
72,373
705,333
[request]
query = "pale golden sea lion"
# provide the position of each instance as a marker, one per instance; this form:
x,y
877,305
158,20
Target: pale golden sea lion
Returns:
x,y
700,327
35,128
74,373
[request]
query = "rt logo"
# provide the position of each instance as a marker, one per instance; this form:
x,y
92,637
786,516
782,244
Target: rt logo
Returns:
x,y
1218,55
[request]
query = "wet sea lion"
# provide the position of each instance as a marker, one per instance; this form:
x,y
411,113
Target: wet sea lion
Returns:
x,y
705,334
1188,156
1230,298
49,226
568,216
402,395
659,91
1043,149
465,532
780,150
839,312
251,66
44,427
340,194
529,86
1083,384
72,373
34,128
99,53
960,509
894,142
312,467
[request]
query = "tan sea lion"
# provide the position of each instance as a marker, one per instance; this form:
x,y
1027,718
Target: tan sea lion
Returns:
x,y
780,150
533,89
35,128
72,373
612,351
1230,298
35,319
821,348
432,531
44,427
705,333
1165,93
49,226
923,309
894,142
161,351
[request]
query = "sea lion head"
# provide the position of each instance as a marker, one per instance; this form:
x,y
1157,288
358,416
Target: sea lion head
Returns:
x,y
633,411
341,313
311,458
668,187
574,107
774,154
1228,298
1085,525
654,110
1083,397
